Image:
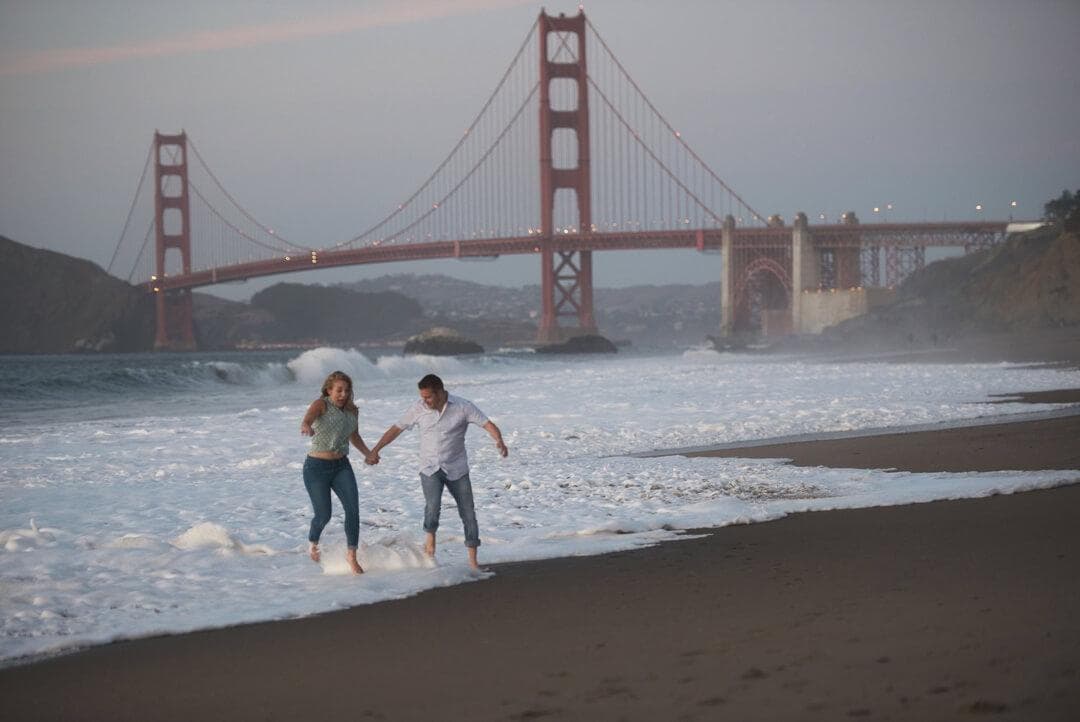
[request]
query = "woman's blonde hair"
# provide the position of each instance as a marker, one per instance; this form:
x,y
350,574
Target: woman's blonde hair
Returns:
x,y
333,378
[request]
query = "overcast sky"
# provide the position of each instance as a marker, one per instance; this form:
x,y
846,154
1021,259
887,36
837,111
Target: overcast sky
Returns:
x,y
320,116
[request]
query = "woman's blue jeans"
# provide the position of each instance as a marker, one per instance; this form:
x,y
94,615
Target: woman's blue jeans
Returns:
x,y
461,490
322,475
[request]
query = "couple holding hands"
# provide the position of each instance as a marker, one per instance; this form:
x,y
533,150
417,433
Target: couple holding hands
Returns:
x,y
331,422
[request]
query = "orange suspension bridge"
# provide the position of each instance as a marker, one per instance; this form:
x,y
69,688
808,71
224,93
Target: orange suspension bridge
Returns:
x,y
563,160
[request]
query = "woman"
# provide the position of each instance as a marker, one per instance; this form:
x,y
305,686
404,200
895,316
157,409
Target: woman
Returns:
x,y
331,422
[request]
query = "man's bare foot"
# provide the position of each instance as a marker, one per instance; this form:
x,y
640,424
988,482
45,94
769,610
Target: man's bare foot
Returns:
x,y
350,557
429,545
472,558
313,552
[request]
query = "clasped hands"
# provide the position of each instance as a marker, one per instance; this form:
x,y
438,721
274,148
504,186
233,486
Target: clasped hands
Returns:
x,y
371,458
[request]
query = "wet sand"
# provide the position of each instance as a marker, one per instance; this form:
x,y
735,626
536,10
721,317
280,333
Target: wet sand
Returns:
x,y
993,447
948,610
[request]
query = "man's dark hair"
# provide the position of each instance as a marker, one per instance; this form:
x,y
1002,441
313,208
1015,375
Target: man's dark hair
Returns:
x,y
431,381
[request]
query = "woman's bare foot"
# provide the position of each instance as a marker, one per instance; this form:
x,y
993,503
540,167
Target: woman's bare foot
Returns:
x,y
313,552
429,545
472,558
350,557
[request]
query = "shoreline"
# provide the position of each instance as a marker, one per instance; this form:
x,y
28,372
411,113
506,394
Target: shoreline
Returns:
x,y
1037,440
730,449
999,446
932,610
973,614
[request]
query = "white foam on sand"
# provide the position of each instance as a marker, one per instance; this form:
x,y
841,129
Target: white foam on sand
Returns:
x,y
150,523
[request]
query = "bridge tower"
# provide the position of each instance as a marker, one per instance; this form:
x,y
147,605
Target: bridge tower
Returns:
x,y
566,276
172,221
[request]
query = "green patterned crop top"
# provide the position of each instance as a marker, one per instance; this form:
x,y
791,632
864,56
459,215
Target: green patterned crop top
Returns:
x,y
333,429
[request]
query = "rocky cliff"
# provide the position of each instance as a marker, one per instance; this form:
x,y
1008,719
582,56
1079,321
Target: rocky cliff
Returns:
x,y
1029,282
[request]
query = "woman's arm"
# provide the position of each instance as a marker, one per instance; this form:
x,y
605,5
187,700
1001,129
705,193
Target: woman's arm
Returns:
x,y
359,444
317,409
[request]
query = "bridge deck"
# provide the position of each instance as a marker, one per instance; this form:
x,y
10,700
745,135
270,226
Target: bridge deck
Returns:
x,y
955,234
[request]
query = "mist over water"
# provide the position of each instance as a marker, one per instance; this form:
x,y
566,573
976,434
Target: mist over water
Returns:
x,y
162,493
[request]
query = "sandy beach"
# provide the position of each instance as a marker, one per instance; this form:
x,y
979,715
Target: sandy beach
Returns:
x,y
948,610
990,447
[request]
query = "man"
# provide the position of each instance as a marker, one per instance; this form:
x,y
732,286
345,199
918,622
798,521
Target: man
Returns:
x,y
443,420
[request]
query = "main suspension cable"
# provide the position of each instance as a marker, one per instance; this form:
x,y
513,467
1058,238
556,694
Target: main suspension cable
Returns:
x,y
675,133
131,210
402,206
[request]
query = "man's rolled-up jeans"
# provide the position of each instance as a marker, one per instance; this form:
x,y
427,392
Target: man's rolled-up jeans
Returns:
x,y
461,490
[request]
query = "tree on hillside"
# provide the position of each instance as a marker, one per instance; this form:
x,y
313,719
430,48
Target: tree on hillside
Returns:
x,y
1064,210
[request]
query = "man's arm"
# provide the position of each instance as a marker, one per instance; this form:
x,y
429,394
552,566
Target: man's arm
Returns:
x,y
387,438
492,429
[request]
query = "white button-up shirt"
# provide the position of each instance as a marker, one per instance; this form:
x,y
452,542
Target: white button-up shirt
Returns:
x,y
442,434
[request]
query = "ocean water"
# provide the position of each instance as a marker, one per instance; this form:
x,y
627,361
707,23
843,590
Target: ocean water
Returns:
x,y
147,494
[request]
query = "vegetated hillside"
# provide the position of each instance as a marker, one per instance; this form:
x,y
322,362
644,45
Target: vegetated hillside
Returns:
x,y
335,314
490,315
222,324
665,314
678,313
1028,283
454,298
55,303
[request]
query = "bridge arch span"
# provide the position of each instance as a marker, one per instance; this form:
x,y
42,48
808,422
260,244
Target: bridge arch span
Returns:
x,y
763,296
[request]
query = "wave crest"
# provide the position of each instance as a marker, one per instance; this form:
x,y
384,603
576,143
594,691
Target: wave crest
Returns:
x,y
207,535
313,366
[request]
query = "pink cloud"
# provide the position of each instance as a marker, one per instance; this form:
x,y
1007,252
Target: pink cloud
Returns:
x,y
398,13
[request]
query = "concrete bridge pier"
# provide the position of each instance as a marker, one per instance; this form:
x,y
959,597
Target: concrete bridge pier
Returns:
x,y
822,275
827,278
805,268
727,277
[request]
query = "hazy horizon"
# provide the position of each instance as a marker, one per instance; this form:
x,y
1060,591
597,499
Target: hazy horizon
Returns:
x,y
319,120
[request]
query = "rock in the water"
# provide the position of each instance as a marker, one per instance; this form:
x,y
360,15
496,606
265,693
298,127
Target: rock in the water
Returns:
x,y
589,343
441,342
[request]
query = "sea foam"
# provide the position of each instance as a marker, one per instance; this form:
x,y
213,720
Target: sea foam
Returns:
x,y
208,535
123,517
